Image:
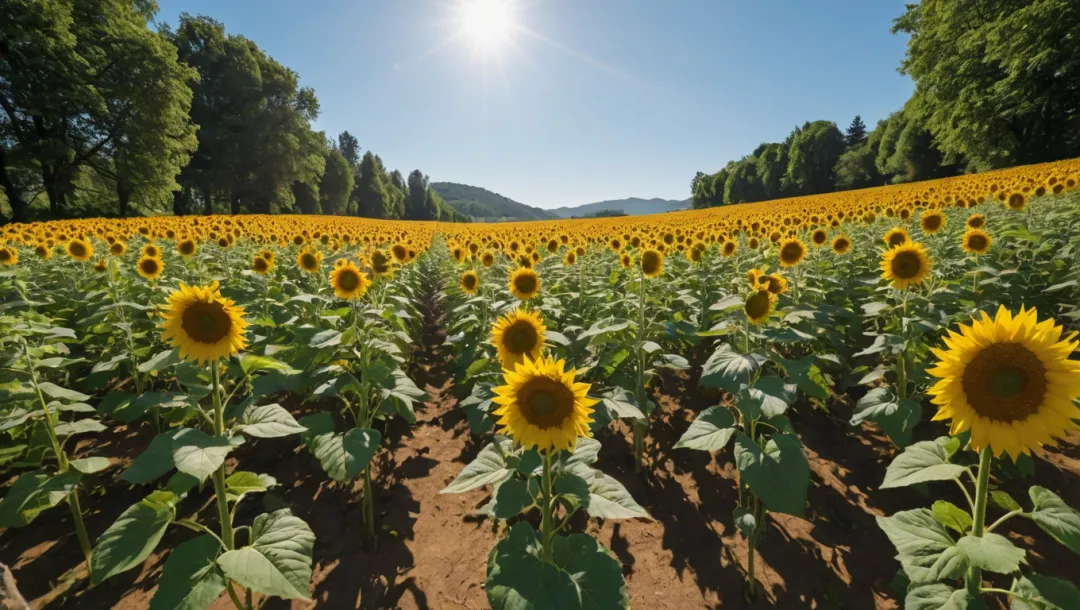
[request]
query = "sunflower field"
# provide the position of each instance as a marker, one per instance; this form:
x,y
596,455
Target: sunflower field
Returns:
x,y
865,399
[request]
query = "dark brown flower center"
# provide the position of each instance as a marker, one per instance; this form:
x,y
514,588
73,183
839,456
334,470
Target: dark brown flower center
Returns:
x,y
906,265
545,402
206,322
1005,382
520,337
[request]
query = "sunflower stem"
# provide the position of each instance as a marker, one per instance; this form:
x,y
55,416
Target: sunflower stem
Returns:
x,y
973,578
219,474
80,530
640,427
546,532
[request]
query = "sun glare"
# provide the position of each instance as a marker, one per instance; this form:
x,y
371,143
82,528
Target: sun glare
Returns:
x,y
487,23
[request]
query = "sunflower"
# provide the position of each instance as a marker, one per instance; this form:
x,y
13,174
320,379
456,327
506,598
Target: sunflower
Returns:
x,y
570,258
487,259
80,250
625,260
470,282
9,256
400,253
774,283
150,268
309,260
897,236
380,262
759,306
204,325
819,237
729,248
43,251
754,276
652,263
261,265
524,283
976,221
906,265
1016,201
186,247
792,252
150,250
542,406
117,248
1008,380
976,241
349,282
100,266
931,221
841,244
518,334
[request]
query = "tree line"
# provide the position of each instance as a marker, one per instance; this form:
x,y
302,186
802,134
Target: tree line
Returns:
x,y
105,113
997,84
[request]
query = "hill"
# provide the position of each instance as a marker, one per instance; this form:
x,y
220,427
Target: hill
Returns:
x,y
482,204
632,206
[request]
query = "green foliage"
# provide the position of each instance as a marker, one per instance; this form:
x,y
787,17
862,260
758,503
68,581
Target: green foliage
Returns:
x,y
337,182
996,83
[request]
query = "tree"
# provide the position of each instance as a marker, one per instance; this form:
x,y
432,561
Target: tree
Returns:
x,y
997,82
857,169
771,165
416,201
349,147
812,155
743,185
698,177
336,185
255,139
87,85
906,151
703,193
370,192
435,206
856,132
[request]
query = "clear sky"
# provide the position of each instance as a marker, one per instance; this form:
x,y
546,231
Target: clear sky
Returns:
x,y
577,100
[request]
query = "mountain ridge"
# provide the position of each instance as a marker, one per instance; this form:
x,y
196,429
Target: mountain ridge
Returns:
x,y
485,205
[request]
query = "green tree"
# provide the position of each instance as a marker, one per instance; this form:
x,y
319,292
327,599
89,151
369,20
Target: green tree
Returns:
x,y
416,201
856,132
743,184
771,165
370,192
255,139
857,168
87,85
812,154
997,81
336,185
435,207
906,151
349,147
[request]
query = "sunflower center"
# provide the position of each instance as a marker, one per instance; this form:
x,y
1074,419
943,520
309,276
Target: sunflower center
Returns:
x,y
206,322
525,284
348,280
791,253
977,242
1005,382
469,281
78,249
906,265
521,337
546,403
897,239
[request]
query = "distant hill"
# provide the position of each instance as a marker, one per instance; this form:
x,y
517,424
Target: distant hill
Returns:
x,y
632,206
482,204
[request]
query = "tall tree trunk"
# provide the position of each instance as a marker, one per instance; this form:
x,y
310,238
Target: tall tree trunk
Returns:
x,y
14,197
123,194
235,202
208,203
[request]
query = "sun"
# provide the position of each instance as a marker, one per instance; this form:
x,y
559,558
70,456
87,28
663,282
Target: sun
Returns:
x,y
487,23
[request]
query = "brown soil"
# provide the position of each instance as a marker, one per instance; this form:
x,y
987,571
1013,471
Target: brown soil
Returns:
x,y
432,553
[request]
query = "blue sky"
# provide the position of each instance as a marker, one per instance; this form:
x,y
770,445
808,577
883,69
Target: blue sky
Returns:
x,y
588,99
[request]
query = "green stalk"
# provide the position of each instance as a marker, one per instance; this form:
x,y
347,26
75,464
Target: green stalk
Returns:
x,y
219,474
973,578
368,509
62,464
546,526
640,427
751,577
